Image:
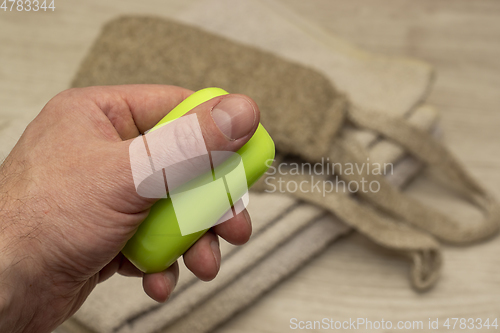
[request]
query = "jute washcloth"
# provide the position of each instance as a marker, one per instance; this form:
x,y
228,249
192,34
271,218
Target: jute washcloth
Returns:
x,y
153,50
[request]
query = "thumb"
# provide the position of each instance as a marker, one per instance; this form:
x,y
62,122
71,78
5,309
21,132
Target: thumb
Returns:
x,y
227,122
179,151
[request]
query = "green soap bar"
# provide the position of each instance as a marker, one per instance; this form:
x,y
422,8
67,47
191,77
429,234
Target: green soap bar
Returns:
x,y
159,242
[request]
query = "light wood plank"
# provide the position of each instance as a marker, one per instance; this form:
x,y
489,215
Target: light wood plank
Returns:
x,y
39,53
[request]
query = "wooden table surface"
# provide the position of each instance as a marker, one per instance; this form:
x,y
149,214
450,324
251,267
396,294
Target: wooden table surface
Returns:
x,y
40,52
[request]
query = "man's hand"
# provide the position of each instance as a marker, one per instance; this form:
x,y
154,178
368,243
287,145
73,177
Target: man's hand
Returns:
x,y
68,203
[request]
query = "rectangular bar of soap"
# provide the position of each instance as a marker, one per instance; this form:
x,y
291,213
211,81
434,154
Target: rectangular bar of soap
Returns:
x,y
175,223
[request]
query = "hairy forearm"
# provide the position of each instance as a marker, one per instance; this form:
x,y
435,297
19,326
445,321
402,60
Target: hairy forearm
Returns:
x,y
31,299
17,301
11,291
12,285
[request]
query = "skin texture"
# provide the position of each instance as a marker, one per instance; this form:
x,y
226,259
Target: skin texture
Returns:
x,y
68,202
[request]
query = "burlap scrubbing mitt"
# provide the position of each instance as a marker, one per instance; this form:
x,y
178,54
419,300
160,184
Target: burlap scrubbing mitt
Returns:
x,y
188,57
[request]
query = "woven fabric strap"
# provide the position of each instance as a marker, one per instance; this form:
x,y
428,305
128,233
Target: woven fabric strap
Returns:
x,y
434,154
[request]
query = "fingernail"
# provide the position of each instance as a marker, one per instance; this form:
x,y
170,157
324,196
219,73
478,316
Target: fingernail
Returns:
x,y
234,116
216,251
170,279
248,218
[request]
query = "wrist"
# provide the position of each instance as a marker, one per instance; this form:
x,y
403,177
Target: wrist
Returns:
x,y
12,289
17,267
23,289
6,294
31,298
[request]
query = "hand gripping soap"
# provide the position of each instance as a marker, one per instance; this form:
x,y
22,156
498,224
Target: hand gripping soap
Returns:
x,y
199,204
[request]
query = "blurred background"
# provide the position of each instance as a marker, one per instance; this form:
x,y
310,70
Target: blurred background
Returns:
x,y
40,53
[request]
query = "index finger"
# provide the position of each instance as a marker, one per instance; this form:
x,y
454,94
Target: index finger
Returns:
x,y
135,108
